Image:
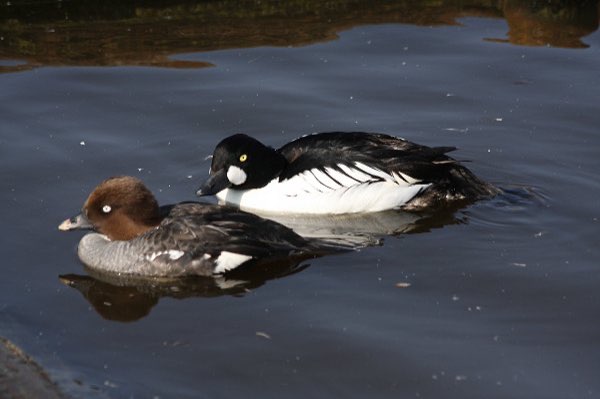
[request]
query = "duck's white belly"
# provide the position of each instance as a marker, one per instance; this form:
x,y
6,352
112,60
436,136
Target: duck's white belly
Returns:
x,y
287,197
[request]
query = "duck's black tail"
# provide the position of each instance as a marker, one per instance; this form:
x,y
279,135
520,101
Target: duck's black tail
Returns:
x,y
457,184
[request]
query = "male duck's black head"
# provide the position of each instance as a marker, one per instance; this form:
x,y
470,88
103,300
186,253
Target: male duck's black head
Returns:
x,y
120,207
241,162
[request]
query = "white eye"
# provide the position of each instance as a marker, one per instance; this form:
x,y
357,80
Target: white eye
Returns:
x,y
106,208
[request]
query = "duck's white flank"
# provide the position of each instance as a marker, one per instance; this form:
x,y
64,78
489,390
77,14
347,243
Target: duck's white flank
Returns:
x,y
334,191
229,260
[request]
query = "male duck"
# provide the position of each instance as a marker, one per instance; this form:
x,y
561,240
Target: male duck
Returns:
x,y
139,238
335,173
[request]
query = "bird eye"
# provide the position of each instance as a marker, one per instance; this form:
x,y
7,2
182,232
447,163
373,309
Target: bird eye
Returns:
x,y
106,208
243,157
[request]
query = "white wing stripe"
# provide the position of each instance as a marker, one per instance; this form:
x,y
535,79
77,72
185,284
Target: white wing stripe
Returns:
x,y
408,179
312,180
355,173
304,182
399,177
404,180
324,179
374,172
340,177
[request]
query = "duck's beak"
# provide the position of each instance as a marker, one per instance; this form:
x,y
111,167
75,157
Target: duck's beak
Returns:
x,y
76,222
214,184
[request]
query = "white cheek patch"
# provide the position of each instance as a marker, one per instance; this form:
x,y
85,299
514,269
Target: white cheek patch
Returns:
x,y
236,176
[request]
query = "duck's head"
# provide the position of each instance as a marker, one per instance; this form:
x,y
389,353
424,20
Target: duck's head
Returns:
x,y
120,208
241,162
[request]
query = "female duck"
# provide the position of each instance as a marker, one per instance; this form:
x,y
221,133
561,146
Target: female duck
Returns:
x,y
334,173
136,237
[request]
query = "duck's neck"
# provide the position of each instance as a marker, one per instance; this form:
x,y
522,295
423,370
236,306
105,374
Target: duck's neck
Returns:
x,y
278,165
128,229
270,167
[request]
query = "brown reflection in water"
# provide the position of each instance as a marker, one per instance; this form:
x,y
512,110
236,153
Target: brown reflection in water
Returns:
x,y
126,299
558,24
122,33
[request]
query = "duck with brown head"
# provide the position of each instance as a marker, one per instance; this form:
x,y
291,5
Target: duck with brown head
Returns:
x,y
134,236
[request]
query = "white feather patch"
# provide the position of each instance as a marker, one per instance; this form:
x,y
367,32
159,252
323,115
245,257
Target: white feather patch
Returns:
x,y
406,179
342,178
373,171
236,175
334,190
289,197
173,254
355,173
306,182
403,179
229,260
324,179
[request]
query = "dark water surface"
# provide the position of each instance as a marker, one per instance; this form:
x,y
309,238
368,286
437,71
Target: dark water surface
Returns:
x,y
497,300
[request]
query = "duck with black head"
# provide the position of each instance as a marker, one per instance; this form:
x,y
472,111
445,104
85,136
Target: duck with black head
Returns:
x,y
337,173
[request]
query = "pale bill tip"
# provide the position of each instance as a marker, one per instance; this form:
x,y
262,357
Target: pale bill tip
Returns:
x,y
66,225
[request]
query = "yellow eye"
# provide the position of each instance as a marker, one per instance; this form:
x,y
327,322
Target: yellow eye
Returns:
x,y
243,157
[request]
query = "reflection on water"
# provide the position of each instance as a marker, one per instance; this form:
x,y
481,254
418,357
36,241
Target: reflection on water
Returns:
x,y
123,33
118,299
362,230
559,24
127,299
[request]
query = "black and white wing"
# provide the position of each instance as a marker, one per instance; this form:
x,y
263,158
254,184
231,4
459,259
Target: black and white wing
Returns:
x,y
209,239
330,161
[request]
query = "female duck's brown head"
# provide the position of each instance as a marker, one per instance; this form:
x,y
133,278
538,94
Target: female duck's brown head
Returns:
x,y
120,207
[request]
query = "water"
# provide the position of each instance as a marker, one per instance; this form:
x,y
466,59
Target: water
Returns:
x,y
497,300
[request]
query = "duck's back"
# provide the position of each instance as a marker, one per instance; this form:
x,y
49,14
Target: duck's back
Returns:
x,y
368,157
380,151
